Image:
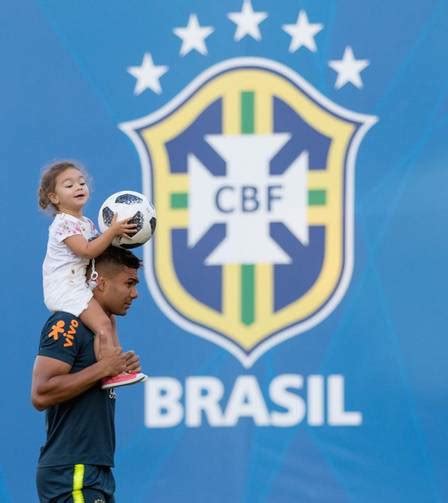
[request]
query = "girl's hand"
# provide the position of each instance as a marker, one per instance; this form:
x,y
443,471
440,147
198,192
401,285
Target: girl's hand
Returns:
x,y
122,227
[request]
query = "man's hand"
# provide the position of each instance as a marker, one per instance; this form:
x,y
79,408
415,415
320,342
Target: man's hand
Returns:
x,y
132,362
113,361
53,382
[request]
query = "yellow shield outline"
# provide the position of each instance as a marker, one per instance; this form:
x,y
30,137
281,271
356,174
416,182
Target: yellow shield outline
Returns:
x,y
346,129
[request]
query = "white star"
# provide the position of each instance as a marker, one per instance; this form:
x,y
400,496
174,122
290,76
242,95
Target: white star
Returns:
x,y
348,69
302,33
193,36
147,75
247,21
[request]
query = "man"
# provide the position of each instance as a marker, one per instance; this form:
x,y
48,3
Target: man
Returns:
x,y
75,462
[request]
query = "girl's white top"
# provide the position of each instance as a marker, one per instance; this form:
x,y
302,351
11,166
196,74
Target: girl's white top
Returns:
x,y
63,270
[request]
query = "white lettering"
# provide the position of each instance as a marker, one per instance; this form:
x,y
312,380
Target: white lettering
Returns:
x,y
168,403
162,402
316,400
280,395
202,394
337,416
246,400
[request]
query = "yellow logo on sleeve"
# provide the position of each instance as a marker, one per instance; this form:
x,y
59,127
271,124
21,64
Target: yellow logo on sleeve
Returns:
x,y
59,329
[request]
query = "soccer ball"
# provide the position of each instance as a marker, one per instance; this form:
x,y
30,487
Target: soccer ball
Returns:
x,y
135,207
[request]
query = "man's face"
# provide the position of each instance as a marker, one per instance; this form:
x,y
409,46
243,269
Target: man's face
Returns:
x,y
119,290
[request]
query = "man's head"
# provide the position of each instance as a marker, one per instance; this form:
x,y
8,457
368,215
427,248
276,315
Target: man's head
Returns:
x,y
117,279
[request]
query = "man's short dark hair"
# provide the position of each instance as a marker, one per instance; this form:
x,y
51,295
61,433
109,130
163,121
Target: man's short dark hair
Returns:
x,y
117,257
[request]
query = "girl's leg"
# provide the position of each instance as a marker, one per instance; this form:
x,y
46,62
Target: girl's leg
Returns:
x,y
101,325
106,337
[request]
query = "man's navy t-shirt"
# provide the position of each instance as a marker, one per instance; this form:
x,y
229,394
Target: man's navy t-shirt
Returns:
x,y
80,430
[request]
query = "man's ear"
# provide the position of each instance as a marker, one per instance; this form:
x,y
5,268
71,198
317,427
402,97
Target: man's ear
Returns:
x,y
100,283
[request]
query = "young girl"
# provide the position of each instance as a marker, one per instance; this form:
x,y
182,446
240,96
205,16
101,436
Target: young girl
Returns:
x,y
63,189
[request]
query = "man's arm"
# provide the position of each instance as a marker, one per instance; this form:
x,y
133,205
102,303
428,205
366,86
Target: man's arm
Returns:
x,y
52,382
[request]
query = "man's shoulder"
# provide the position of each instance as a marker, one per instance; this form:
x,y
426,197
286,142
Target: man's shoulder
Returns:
x,y
64,316
63,337
63,322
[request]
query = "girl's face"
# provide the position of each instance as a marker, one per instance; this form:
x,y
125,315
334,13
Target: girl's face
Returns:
x,y
71,191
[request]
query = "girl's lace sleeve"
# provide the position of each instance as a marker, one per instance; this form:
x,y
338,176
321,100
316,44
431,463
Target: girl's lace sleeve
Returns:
x,y
66,228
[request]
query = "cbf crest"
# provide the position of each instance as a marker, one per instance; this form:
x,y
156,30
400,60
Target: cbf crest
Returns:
x,y
252,172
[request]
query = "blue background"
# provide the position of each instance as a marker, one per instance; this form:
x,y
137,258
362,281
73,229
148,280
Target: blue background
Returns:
x,y
65,88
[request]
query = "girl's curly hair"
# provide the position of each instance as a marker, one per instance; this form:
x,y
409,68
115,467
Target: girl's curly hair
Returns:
x,y
48,181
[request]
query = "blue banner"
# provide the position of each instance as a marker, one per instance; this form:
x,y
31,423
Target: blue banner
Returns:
x,y
291,305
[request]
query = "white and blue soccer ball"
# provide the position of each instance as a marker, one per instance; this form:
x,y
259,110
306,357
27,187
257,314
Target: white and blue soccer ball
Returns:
x,y
134,206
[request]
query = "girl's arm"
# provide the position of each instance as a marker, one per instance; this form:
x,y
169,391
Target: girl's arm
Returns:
x,y
79,245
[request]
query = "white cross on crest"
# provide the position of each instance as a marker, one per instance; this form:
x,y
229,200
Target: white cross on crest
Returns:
x,y
248,199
